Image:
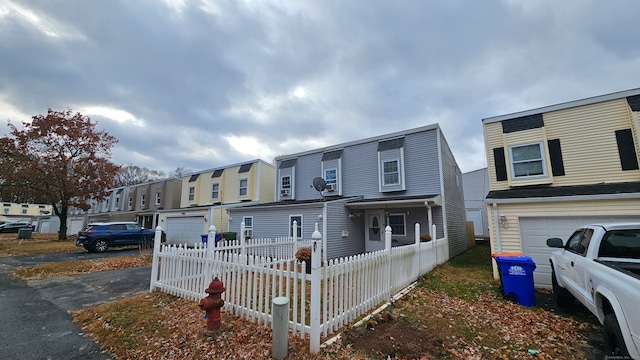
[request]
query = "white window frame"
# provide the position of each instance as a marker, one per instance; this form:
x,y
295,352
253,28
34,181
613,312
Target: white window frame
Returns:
x,y
404,224
245,187
294,217
143,200
215,191
541,159
248,229
130,202
158,199
191,194
397,172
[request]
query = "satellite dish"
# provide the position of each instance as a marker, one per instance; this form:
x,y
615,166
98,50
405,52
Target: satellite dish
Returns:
x,y
319,184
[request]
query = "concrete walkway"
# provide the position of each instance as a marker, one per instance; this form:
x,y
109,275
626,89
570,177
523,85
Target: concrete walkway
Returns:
x,y
34,318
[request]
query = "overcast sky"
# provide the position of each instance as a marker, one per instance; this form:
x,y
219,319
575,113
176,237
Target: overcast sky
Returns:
x,y
203,84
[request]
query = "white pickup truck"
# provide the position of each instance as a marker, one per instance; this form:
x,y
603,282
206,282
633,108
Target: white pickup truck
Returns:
x,y
600,266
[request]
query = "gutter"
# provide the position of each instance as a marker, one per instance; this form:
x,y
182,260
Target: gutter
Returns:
x,y
496,225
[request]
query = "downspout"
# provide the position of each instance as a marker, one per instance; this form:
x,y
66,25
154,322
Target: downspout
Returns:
x,y
496,225
324,232
442,192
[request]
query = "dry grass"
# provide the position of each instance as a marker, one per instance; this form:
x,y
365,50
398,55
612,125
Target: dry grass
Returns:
x,y
67,268
39,243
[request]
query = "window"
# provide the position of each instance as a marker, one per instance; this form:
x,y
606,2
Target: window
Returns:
x,y
390,172
192,194
6,210
117,201
243,187
158,199
397,224
573,244
298,219
285,182
134,227
143,200
215,191
24,210
330,176
130,202
248,226
527,160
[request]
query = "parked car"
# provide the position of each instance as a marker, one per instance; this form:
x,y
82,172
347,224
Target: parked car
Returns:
x,y
600,267
98,237
13,227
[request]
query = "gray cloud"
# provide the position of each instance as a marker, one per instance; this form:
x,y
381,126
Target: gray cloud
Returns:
x,y
202,84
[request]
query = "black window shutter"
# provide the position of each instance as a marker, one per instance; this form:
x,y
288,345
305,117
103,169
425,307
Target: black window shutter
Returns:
x,y
627,150
555,154
501,165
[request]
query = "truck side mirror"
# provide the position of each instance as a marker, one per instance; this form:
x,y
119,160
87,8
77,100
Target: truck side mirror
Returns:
x,y
555,243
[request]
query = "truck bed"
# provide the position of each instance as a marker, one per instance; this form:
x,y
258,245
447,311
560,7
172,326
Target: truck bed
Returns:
x,y
630,268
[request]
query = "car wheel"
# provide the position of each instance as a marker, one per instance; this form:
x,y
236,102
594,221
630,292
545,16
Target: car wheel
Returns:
x,y
613,341
561,296
100,245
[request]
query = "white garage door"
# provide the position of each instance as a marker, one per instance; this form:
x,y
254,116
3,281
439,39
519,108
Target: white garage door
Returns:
x,y
535,231
44,226
75,225
185,230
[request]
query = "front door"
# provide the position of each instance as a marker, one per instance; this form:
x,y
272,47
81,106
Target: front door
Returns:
x,y
375,231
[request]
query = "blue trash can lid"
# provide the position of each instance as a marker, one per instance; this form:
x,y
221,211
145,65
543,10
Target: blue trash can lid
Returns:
x,y
515,259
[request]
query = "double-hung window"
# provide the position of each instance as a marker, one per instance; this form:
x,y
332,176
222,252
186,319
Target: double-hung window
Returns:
x,y
143,200
285,183
215,191
527,160
330,176
243,187
298,220
158,198
192,194
390,172
248,226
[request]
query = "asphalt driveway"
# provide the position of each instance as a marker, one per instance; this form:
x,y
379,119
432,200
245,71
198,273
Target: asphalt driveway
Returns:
x,y
34,318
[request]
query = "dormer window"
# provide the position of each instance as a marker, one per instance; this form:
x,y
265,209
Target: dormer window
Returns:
x,y
391,165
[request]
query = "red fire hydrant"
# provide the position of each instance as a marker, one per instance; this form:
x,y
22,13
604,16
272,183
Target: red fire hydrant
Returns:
x,y
212,304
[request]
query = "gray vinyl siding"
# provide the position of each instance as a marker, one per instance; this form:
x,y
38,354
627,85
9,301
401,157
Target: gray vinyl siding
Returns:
x,y
270,222
290,171
338,221
360,169
453,202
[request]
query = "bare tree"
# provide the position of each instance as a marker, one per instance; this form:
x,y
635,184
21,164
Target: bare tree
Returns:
x,y
130,174
180,172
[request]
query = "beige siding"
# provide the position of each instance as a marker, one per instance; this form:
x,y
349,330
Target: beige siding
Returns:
x,y
267,183
526,137
635,128
493,139
510,237
589,147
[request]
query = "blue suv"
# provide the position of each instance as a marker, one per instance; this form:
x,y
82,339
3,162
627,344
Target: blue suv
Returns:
x,y
98,237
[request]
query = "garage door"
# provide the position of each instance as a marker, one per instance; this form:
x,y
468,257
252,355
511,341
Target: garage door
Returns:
x,y
184,230
75,225
44,226
535,231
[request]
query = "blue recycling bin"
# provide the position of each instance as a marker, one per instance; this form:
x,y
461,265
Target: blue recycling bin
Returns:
x,y
516,275
205,238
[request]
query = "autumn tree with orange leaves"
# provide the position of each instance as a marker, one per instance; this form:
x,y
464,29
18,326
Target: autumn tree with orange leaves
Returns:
x,y
58,159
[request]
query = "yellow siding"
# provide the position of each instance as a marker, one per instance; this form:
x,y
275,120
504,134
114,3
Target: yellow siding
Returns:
x,y
221,219
493,139
15,209
523,138
184,199
635,129
588,141
203,189
510,237
267,183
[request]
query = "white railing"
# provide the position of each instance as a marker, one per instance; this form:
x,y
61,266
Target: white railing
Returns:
x,y
321,303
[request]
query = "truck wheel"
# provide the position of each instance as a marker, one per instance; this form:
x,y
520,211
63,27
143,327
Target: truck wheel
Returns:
x,y
613,341
100,245
561,296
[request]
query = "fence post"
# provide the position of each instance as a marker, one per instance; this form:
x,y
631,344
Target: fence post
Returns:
x,y
243,245
387,248
314,334
212,236
156,253
416,259
211,242
294,228
280,328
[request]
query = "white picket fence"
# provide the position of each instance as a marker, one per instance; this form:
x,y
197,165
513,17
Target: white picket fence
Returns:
x,y
335,294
